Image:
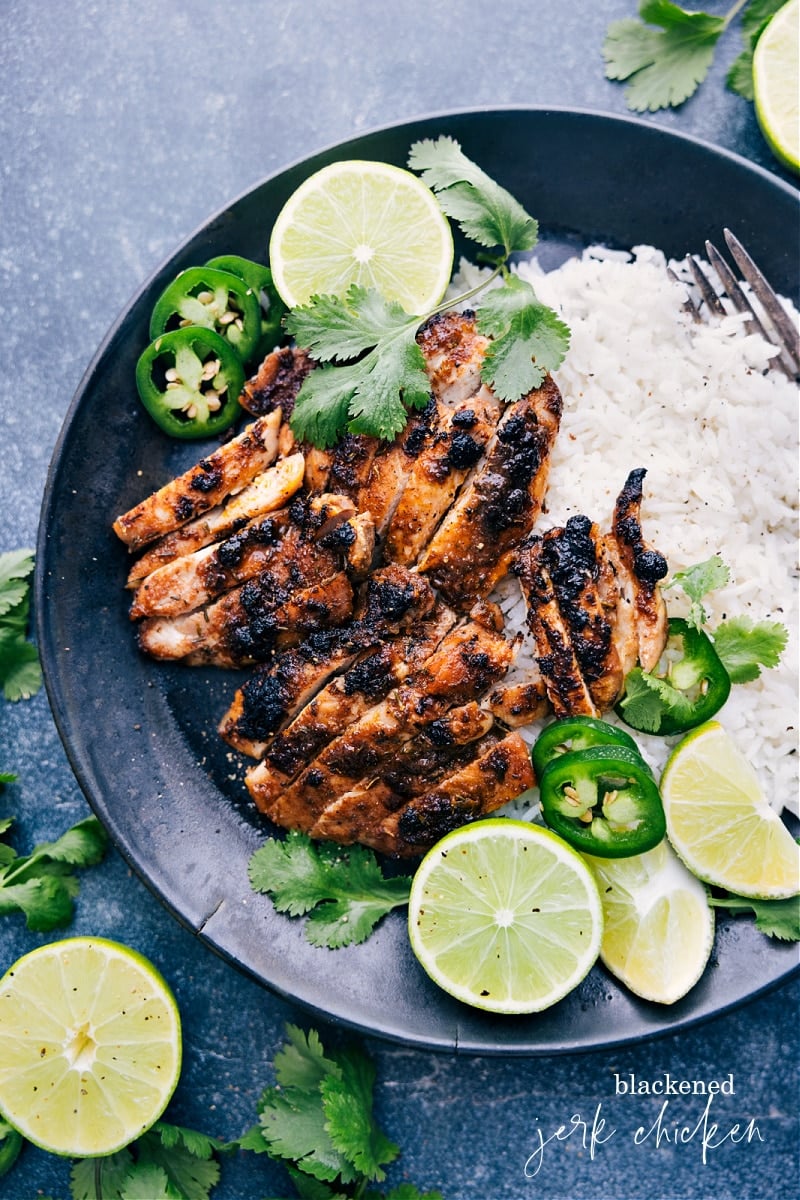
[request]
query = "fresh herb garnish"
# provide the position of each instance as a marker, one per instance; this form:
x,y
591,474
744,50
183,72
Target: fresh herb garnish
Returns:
x,y
319,1120
166,1163
776,918
375,371
42,884
648,697
20,673
342,888
667,53
696,582
745,646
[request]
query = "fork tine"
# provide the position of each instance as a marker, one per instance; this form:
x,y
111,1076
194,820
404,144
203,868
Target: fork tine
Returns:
x,y
777,314
706,290
688,305
734,291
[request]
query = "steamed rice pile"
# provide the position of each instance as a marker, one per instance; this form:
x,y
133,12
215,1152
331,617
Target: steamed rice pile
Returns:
x,y
645,386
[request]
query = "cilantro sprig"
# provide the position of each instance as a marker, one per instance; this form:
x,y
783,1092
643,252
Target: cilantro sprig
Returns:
x,y
776,918
373,374
42,884
666,54
343,890
20,673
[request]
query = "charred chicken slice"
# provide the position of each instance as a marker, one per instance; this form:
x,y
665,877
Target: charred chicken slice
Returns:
x,y
473,546
204,486
645,567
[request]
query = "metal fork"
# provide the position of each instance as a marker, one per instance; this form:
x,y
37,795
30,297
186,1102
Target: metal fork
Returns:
x,y
766,314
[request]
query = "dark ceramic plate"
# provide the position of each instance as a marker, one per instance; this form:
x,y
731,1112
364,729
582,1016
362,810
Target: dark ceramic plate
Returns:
x,y
141,737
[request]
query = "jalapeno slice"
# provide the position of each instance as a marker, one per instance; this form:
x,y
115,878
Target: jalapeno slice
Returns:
x,y
211,299
695,684
576,733
272,308
189,381
604,801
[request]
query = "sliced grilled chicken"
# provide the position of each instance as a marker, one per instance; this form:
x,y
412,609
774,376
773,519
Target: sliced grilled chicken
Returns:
x,y
340,703
391,467
457,445
454,352
247,625
474,543
468,661
518,704
358,814
286,543
269,491
277,382
500,772
203,487
392,599
645,567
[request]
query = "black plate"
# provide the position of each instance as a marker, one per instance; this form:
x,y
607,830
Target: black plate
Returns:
x,y
141,737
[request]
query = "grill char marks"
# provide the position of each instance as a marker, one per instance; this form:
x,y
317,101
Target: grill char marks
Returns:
x,y
204,486
589,615
499,506
276,383
391,600
464,666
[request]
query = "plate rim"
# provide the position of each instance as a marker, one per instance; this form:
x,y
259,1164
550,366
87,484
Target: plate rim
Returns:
x,y
59,705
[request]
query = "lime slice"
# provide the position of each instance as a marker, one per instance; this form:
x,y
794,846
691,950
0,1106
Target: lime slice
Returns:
x,y
720,823
505,916
659,928
776,84
367,223
90,1046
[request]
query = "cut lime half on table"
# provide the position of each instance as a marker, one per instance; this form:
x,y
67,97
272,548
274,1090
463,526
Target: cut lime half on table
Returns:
x,y
659,928
505,916
776,84
367,223
90,1046
720,822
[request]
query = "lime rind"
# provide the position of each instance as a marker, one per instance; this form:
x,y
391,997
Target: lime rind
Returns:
x,y
90,1046
776,84
504,916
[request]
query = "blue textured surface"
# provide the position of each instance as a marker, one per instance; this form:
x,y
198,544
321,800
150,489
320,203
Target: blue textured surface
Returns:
x,y
123,127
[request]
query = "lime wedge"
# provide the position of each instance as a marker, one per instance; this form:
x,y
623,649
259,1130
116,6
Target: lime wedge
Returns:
x,y
720,823
776,84
367,223
505,916
90,1046
659,928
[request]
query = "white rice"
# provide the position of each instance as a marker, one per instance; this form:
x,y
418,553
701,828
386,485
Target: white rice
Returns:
x,y
645,386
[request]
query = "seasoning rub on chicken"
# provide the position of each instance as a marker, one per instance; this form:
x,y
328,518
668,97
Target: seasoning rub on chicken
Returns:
x,y
357,583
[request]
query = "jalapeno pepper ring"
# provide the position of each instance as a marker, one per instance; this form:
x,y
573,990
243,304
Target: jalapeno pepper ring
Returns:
x,y
189,381
576,733
259,279
211,299
603,801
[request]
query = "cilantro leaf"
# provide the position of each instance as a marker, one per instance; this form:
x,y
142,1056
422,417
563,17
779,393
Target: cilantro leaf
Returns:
x,y
664,65
301,1061
146,1181
41,884
7,777
293,1123
647,698
406,1191
347,1103
309,1188
15,567
776,918
183,1157
346,888
529,339
101,1178
370,396
755,19
745,646
697,581
486,212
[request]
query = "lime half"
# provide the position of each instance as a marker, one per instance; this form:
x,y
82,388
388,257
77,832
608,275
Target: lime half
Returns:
x,y
90,1046
505,916
720,823
367,223
659,928
776,84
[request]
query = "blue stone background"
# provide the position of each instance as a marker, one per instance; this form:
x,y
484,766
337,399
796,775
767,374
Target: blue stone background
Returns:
x,y
123,125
